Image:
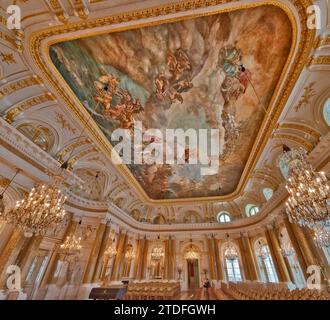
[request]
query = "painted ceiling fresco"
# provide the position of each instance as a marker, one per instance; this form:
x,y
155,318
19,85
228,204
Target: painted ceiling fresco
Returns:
x,y
217,71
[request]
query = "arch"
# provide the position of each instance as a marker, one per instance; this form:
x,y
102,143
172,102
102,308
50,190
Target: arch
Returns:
x,y
41,135
268,193
159,219
191,217
251,210
223,217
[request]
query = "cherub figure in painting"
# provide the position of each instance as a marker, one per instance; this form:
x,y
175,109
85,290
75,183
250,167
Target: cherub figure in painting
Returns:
x,y
108,93
170,87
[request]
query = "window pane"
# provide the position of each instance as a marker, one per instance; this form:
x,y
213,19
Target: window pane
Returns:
x,y
326,112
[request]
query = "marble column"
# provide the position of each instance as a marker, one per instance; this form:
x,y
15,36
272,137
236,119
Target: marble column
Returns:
x,y
137,257
119,259
251,264
245,261
166,260
217,259
172,258
10,254
275,251
100,257
5,234
211,257
91,264
144,261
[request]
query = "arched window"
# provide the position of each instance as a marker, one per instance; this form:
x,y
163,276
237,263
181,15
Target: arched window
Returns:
x,y
265,263
326,112
223,217
284,168
38,134
268,193
232,267
251,210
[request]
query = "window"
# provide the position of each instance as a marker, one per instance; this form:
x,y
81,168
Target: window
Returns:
x,y
233,270
326,112
251,210
265,263
268,193
223,217
284,168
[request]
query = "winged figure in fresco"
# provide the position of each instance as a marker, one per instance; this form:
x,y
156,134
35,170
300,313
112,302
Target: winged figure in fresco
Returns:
x,y
170,87
237,76
109,93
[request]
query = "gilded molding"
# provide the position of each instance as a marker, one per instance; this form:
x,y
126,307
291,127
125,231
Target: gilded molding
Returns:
x,y
23,106
288,79
319,60
60,155
18,85
301,127
306,144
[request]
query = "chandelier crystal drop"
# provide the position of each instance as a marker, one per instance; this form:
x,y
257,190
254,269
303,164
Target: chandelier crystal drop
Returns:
x,y
192,253
157,252
40,210
71,245
230,251
308,190
322,237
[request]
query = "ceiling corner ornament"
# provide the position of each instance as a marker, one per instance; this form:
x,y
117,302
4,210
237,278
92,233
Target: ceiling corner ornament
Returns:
x,y
308,94
308,190
288,79
7,58
60,119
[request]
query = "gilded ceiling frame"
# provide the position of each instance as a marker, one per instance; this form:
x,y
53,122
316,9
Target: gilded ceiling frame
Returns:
x,y
297,59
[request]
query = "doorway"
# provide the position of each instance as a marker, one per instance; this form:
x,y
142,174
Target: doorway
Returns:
x,y
193,274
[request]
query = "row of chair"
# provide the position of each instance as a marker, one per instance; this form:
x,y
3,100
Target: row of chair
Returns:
x,y
154,290
260,291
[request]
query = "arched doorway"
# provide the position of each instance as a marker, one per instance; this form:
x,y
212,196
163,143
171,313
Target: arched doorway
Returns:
x,y
192,258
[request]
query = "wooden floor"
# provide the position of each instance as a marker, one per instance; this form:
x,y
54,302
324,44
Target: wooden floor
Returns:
x,y
203,294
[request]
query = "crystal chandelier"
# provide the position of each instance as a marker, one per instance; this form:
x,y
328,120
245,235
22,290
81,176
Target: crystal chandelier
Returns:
x,y
308,190
42,209
287,249
71,245
192,253
111,250
230,251
157,252
322,237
